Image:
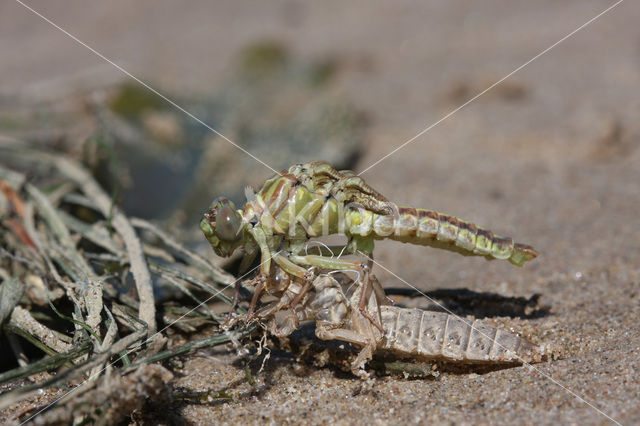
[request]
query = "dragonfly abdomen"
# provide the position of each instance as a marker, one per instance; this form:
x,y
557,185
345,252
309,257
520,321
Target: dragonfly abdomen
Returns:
x,y
438,335
430,228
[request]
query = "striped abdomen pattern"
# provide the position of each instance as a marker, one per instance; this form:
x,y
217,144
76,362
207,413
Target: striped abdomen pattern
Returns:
x,y
428,227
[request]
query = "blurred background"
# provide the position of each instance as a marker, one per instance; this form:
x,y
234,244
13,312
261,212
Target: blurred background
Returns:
x,y
550,156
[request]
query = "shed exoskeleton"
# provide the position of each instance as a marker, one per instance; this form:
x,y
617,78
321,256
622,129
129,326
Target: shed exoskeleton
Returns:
x,y
332,302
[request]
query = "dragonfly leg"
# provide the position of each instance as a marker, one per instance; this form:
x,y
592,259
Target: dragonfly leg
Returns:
x,y
269,310
300,296
364,301
256,297
345,265
325,250
254,282
236,293
325,331
324,262
245,263
300,272
292,268
293,320
265,260
378,290
285,327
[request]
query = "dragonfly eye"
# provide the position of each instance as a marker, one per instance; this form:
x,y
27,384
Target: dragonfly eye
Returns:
x,y
228,223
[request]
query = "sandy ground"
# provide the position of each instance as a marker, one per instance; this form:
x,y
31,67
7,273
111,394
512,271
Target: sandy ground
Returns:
x,y
550,157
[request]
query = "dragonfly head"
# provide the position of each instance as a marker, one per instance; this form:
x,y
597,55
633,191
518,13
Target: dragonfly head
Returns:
x,y
222,226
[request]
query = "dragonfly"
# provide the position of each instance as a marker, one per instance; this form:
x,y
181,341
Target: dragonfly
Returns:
x,y
312,200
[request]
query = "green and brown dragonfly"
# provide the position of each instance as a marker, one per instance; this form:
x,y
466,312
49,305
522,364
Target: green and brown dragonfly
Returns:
x,y
313,200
